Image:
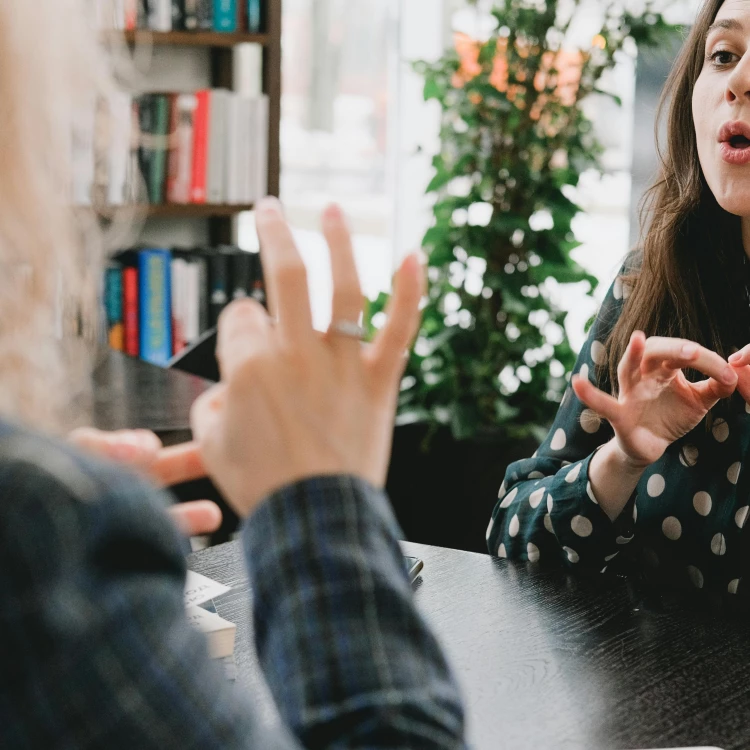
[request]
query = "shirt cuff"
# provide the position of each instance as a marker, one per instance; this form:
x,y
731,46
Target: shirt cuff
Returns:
x,y
586,533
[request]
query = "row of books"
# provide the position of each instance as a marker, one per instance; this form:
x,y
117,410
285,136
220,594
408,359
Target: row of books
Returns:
x,y
210,146
158,301
228,16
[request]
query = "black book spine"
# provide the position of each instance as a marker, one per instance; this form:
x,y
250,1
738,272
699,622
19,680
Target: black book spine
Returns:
x,y
178,15
206,15
144,10
258,282
146,151
191,14
242,274
218,278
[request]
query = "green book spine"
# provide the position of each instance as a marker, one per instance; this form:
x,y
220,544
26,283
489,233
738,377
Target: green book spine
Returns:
x,y
158,175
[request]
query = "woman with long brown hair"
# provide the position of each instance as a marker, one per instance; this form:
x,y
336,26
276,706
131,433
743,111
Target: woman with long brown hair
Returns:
x,y
644,470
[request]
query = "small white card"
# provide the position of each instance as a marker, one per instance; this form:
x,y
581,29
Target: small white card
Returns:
x,y
205,621
199,589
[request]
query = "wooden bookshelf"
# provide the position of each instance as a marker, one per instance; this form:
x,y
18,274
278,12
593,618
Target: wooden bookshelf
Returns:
x,y
174,210
189,38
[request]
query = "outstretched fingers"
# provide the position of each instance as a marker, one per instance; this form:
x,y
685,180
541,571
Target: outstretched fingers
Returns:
x,y
388,351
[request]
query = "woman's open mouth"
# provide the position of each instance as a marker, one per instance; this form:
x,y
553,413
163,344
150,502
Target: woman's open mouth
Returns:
x,y
734,140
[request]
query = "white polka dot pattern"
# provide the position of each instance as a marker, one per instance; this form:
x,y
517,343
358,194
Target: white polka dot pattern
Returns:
x,y
514,526
672,528
624,539
689,455
718,544
584,371
501,551
572,475
720,430
733,585
532,551
501,491
590,421
509,498
617,288
572,554
733,472
702,503
549,503
598,353
489,530
635,513
590,493
611,557
581,526
559,440
696,577
655,485
548,523
536,497
740,517
536,475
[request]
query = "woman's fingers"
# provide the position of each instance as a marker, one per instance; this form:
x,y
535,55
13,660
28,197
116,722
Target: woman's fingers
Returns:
x,y
347,293
629,369
136,448
743,382
197,517
177,464
389,348
741,358
602,403
711,391
285,272
675,354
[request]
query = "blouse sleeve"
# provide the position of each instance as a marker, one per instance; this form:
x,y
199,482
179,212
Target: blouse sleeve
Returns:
x,y
546,508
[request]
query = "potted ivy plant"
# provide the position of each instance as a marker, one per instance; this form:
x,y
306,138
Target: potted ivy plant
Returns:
x,y
492,359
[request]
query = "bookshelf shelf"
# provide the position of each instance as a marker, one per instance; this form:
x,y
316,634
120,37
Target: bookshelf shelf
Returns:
x,y
190,38
192,210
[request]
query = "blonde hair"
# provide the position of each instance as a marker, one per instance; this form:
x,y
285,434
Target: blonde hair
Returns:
x,y
51,70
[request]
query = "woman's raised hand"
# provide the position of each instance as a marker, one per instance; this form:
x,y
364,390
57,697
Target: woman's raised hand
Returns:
x,y
293,404
657,404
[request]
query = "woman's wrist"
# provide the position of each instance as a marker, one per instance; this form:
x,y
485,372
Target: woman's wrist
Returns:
x,y
614,476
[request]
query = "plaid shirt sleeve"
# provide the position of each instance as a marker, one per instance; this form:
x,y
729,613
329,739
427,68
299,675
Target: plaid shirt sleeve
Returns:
x,y
95,646
348,658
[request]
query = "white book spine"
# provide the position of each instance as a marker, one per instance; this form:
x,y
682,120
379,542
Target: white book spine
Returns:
x,y
248,69
245,156
120,122
216,145
261,148
83,161
232,147
160,15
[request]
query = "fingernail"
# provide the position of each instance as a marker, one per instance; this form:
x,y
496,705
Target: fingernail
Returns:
x,y
270,206
729,376
736,357
689,350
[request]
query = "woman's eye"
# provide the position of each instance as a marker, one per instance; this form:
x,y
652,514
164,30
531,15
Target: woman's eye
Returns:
x,y
722,58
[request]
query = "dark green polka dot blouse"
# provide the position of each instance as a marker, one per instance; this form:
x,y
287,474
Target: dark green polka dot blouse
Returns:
x,y
683,526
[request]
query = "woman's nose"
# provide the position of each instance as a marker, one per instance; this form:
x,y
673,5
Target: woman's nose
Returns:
x,y
738,85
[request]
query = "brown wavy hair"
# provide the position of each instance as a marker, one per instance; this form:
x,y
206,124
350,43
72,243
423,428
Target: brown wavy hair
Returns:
x,y
51,69
691,279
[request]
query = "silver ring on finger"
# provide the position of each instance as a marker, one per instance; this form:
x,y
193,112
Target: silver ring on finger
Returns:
x,y
348,328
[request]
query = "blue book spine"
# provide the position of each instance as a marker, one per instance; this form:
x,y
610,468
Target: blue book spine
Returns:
x,y
254,16
155,302
225,15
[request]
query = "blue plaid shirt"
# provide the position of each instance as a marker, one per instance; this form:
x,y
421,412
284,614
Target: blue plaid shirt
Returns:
x,y
96,651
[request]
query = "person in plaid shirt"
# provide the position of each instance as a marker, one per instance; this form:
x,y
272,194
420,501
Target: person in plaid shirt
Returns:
x,y
95,647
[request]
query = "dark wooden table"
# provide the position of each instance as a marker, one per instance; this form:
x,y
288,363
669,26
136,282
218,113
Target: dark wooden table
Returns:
x,y
547,661
129,393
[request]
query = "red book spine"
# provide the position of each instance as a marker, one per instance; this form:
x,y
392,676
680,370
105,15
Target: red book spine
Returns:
x,y
131,15
200,147
130,310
